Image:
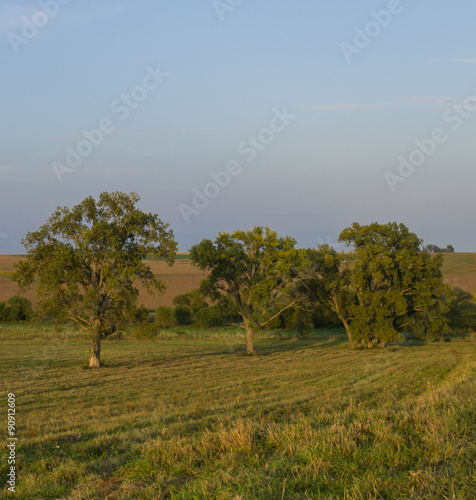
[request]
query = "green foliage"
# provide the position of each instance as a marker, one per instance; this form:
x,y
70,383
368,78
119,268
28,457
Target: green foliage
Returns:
x,y
202,314
462,314
164,317
85,261
213,316
183,315
256,269
146,331
395,286
386,288
303,323
16,309
297,319
195,300
435,249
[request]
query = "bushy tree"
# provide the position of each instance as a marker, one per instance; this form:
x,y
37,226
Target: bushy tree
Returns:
x,y
396,287
16,309
203,314
85,263
462,314
386,287
195,300
183,315
164,316
256,269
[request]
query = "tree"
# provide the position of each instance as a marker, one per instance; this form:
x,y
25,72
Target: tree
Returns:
x,y
391,286
462,314
327,286
436,249
85,261
16,309
257,269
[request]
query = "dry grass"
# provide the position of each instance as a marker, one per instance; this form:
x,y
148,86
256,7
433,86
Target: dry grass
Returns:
x,y
459,269
196,419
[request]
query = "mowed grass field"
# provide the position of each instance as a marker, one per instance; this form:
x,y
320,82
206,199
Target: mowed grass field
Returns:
x,y
459,269
188,416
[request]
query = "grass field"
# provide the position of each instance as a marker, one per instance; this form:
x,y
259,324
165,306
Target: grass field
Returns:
x,y
188,416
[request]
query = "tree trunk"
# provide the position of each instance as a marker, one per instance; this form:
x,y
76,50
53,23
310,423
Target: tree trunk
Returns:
x,y
335,307
349,333
250,337
95,349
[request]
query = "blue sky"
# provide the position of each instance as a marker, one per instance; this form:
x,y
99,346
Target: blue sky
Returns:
x,y
313,106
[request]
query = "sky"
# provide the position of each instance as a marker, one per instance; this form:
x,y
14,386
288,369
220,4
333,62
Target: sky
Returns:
x,y
304,116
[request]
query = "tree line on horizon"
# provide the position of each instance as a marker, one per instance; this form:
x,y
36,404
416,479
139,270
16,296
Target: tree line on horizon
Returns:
x,y
84,261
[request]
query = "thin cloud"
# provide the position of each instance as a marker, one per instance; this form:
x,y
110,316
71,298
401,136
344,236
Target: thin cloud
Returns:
x,y
158,133
463,61
438,101
346,106
294,215
434,101
456,61
429,99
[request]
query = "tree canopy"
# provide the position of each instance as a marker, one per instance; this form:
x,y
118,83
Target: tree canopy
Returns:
x,y
257,269
85,261
386,287
396,286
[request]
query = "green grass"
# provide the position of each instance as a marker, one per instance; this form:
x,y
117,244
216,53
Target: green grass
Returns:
x,y
189,416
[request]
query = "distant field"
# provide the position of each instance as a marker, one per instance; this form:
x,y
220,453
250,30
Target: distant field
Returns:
x,y
190,417
181,278
459,269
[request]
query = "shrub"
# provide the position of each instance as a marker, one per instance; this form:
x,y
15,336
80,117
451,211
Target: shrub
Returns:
x,y
462,314
324,317
303,323
209,317
164,317
16,309
216,315
142,315
183,315
146,331
4,313
194,300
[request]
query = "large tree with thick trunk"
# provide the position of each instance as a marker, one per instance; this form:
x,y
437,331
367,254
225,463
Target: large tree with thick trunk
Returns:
x,y
257,269
85,263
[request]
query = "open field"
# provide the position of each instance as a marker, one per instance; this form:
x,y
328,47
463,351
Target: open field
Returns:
x,y
459,269
182,277
188,416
